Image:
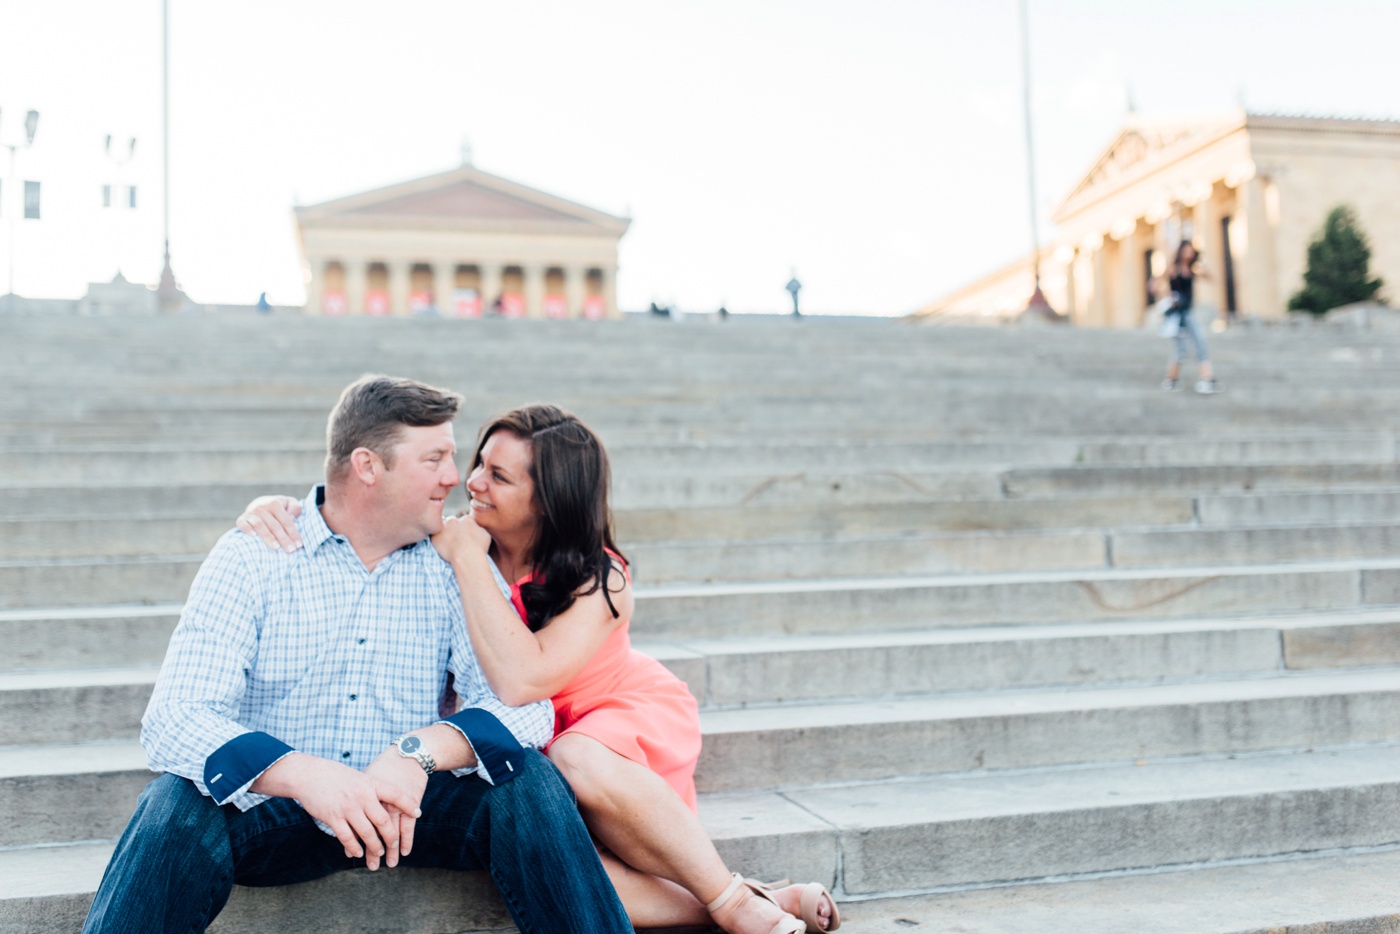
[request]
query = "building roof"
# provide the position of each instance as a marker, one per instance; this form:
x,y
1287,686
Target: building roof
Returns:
x,y
1145,143
464,198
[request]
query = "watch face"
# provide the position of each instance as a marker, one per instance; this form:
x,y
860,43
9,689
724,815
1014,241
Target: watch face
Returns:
x,y
409,745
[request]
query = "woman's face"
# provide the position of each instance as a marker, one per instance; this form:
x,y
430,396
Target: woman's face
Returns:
x,y
1188,255
502,493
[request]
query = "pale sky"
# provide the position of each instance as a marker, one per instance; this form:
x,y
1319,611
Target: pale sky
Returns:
x,y
876,148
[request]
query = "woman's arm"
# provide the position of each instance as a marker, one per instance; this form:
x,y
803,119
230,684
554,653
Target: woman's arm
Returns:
x,y
523,666
272,519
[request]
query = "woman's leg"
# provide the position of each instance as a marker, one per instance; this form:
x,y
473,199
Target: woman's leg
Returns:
x,y
1198,337
651,901
646,825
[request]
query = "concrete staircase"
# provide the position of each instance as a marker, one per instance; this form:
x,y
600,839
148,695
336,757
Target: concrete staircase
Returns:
x,y
990,634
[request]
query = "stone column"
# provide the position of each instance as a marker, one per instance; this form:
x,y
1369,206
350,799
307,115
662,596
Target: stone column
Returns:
x,y
490,284
315,285
575,288
610,291
1258,280
1098,302
1127,311
444,286
399,281
1210,292
355,284
534,291
1071,296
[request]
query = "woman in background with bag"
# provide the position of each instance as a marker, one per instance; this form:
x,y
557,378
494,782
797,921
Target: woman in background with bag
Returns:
x,y
1180,324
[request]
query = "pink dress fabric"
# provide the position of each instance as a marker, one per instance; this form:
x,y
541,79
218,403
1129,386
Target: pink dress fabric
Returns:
x,y
632,704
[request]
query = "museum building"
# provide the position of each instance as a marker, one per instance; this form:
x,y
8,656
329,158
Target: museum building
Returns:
x,y
462,243
1250,190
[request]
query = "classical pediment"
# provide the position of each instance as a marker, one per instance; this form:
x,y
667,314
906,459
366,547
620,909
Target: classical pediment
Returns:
x,y
1138,147
464,198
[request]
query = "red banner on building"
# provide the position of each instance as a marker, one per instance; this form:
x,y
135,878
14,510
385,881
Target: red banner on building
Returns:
x,y
466,303
333,304
377,303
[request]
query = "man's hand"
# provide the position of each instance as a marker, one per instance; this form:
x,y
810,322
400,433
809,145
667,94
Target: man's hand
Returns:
x,y
404,780
354,805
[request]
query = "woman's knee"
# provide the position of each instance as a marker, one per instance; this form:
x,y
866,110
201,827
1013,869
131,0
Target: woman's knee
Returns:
x,y
575,756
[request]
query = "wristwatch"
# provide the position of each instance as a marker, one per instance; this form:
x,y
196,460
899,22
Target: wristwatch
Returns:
x,y
411,747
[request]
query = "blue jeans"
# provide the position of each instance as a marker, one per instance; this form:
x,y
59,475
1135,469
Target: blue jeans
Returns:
x,y
1190,329
181,854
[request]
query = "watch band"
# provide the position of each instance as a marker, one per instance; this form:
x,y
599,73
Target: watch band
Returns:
x,y
415,752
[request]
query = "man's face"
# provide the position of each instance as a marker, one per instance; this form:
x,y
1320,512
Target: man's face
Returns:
x,y
423,473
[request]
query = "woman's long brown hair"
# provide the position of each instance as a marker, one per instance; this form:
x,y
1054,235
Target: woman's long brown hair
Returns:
x,y
569,467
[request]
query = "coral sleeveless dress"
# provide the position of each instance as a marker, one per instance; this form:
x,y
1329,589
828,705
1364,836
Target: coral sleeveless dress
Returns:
x,y
632,704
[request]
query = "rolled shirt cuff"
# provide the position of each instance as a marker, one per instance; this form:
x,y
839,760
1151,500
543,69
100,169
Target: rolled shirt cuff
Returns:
x,y
498,752
236,764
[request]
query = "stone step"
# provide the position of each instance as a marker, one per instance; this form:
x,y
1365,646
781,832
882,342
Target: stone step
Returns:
x,y
740,671
681,612
886,739
684,611
1166,548
1306,507
764,747
998,827
186,463
940,834
1351,893
1212,478
814,490
807,519
86,637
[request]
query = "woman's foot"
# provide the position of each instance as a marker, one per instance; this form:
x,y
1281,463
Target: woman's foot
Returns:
x,y
747,908
812,903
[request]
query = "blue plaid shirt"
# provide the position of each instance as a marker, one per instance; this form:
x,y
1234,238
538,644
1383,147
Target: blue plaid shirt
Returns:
x,y
310,652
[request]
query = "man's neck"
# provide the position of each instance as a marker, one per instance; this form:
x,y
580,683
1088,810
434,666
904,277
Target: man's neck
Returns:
x,y
358,524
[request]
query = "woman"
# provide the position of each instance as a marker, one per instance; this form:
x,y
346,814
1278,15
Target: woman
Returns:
x,y
627,730
1181,280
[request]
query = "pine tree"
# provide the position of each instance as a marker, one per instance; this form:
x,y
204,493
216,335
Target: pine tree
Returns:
x,y
1338,266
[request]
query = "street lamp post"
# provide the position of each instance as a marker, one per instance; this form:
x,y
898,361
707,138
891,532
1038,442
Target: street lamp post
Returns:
x,y
31,126
168,292
1038,305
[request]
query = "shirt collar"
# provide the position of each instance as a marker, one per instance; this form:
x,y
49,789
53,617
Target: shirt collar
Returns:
x,y
311,524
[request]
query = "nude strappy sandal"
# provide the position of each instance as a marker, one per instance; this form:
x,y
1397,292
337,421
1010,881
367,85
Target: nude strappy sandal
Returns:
x,y
811,898
787,924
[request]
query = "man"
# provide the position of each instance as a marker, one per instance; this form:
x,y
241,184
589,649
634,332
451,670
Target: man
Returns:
x,y
296,714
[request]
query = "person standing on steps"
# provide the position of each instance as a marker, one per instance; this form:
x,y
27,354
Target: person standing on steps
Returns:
x,y
298,715
1181,278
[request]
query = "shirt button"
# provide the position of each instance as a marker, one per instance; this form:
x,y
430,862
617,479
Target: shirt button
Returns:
x,y
360,641
354,696
345,755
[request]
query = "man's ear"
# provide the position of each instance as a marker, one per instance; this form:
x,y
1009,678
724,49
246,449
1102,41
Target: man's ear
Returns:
x,y
366,466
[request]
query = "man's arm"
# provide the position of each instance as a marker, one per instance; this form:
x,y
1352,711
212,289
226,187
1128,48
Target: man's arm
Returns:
x,y
191,718
190,727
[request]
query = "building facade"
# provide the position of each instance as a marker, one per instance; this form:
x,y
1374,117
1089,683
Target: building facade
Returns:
x,y
462,243
1251,191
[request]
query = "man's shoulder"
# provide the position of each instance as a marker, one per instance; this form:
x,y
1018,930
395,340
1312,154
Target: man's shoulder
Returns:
x,y
236,548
